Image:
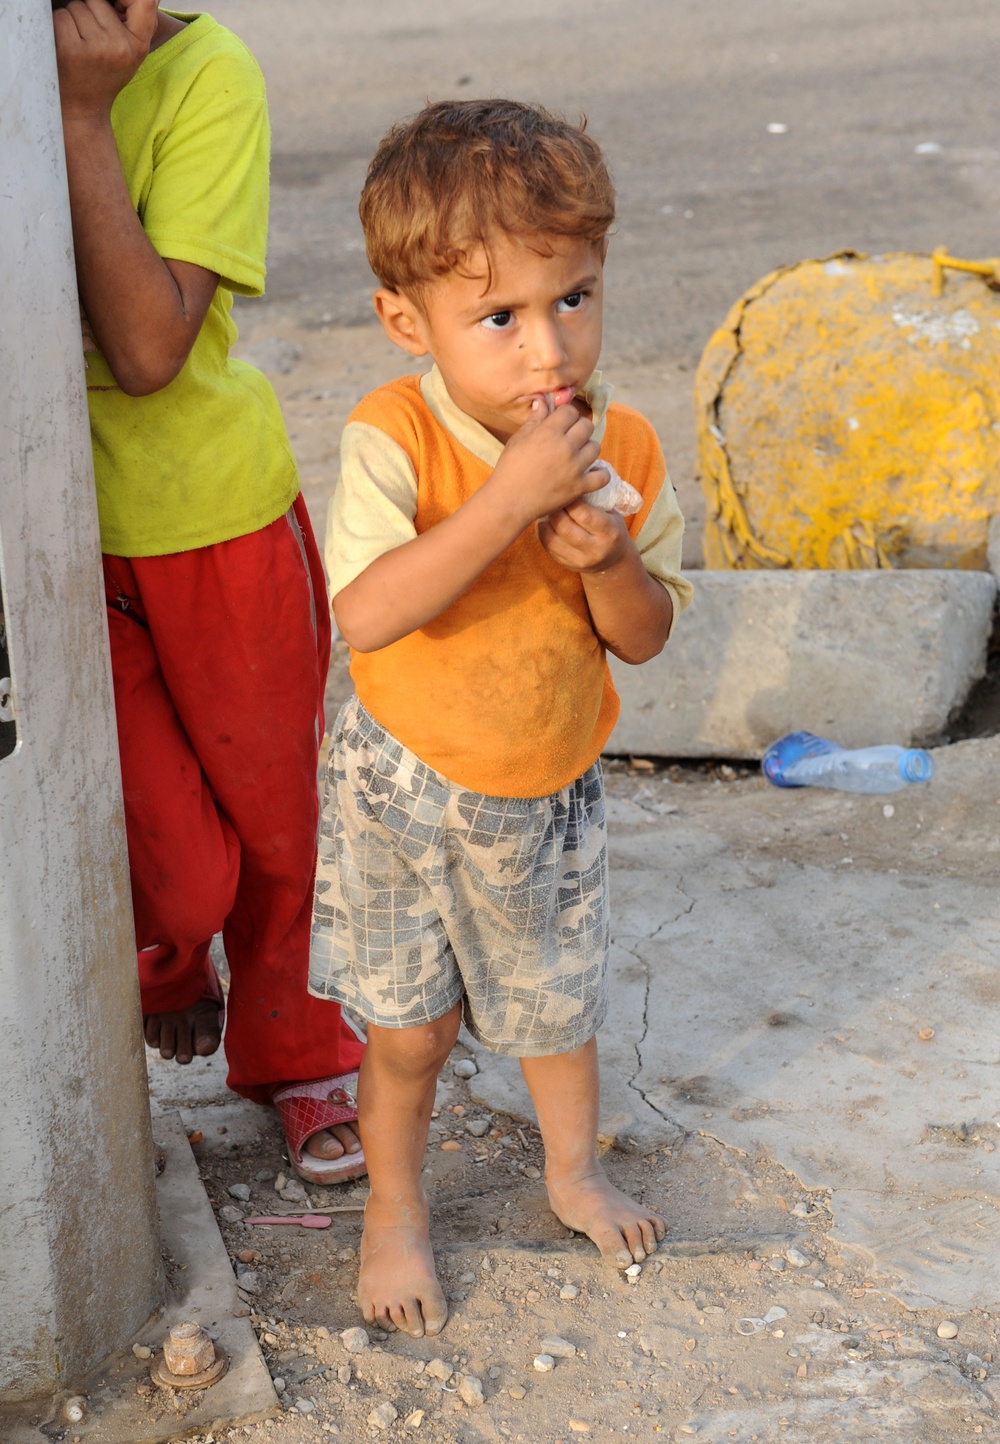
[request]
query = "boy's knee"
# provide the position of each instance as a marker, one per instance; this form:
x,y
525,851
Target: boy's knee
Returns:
x,y
421,1050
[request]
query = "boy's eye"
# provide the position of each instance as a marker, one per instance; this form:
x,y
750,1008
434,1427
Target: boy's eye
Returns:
x,y
572,302
499,321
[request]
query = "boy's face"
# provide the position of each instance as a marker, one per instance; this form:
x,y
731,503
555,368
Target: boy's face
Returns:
x,y
535,328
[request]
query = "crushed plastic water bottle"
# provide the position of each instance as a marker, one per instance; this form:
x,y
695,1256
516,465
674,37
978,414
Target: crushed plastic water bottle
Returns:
x,y
802,760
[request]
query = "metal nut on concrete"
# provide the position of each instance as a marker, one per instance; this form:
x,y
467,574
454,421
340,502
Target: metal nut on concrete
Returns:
x,y
187,1349
190,1359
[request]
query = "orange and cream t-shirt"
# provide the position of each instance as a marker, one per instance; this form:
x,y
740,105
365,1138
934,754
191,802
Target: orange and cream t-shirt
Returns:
x,y
508,691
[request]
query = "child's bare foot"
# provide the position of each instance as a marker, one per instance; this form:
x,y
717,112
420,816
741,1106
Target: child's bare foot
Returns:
x,y
194,1032
397,1285
624,1232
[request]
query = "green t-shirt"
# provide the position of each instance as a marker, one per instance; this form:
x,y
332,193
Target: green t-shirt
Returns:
x,y
207,458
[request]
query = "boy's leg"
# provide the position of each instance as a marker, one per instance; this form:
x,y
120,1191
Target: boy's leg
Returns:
x,y
241,644
181,890
398,1286
565,1089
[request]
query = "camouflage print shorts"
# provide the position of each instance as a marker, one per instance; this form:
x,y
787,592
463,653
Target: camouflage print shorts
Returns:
x,y
427,894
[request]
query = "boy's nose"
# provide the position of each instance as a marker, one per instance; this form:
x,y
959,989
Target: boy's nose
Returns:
x,y
546,351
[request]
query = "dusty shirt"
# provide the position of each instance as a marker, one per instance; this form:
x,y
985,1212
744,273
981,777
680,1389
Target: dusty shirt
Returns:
x,y
207,458
507,691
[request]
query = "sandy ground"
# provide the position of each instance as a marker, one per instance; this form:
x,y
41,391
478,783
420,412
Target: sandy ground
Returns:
x,y
796,1191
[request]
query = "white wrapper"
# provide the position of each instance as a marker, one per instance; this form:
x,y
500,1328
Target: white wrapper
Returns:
x,y
615,495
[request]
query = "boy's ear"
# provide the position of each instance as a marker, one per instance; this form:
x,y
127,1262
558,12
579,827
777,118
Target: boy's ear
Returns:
x,y
401,320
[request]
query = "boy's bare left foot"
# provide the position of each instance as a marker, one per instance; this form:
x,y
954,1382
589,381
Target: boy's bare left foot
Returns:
x,y
194,1032
398,1286
624,1232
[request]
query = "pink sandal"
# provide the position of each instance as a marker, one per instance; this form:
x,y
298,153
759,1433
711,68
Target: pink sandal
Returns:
x,y
305,1109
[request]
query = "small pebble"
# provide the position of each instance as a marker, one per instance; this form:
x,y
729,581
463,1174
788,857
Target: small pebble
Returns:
x,y
947,1330
633,1271
470,1391
467,1278
569,1291
478,1127
280,1182
141,1351
414,1420
465,1068
240,1191
690,1345
579,1426
516,1391
888,810
344,1374
249,1281
776,1265
532,1172
231,1214
355,1341
293,1191
279,1384
544,1363
305,1406
438,1369
451,1145
383,1415
797,1258
532,1296
559,1348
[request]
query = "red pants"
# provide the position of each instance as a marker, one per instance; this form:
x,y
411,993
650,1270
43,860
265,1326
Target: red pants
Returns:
x,y
219,657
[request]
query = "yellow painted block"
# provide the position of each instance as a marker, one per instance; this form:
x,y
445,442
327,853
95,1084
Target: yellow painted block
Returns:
x,y
849,417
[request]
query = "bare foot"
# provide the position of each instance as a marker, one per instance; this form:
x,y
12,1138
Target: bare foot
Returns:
x,y
397,1285
624,1232
194,1032
333,1142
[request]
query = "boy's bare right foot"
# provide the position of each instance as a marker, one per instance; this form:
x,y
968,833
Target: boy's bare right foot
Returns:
x,y
397,1285
194,1032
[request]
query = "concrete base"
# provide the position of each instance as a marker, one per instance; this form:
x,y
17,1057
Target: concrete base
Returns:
x,y
862,657
201,1286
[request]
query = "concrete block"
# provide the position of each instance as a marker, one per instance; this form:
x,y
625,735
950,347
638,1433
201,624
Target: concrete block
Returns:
x,y
860,657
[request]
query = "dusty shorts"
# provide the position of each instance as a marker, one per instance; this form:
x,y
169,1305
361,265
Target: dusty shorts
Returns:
x,y
427,894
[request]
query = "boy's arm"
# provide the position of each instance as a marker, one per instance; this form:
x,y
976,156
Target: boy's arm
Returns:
x,y
407,587
144,312
631,611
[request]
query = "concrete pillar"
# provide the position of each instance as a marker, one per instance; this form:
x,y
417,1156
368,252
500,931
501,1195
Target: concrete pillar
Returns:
x,y
79,1241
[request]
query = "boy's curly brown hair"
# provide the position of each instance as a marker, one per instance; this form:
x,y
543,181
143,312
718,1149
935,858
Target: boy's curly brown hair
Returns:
x,y
458,175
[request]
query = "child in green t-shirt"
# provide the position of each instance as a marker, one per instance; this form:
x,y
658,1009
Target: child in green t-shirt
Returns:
x,y
219,630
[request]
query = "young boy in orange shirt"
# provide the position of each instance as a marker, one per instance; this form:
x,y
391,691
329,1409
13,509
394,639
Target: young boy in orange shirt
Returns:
x,y
462,864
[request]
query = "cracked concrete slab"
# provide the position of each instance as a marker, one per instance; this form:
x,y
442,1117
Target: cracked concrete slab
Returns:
x,y
778,1007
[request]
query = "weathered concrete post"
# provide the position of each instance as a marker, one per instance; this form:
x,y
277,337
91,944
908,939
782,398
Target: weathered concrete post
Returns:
x,y
79,1241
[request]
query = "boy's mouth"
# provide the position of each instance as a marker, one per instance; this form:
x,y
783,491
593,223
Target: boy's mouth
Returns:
x,y
560,397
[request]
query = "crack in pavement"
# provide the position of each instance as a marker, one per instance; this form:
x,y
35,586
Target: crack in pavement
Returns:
x,y
644,964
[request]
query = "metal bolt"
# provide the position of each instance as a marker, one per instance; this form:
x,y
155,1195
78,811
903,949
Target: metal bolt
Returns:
x,y
188,1349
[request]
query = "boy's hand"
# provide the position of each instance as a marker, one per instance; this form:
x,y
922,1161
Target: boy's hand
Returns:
x,y
583,538
98,50
544,464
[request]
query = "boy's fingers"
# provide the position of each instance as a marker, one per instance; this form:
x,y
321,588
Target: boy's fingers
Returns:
x,y
140,18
